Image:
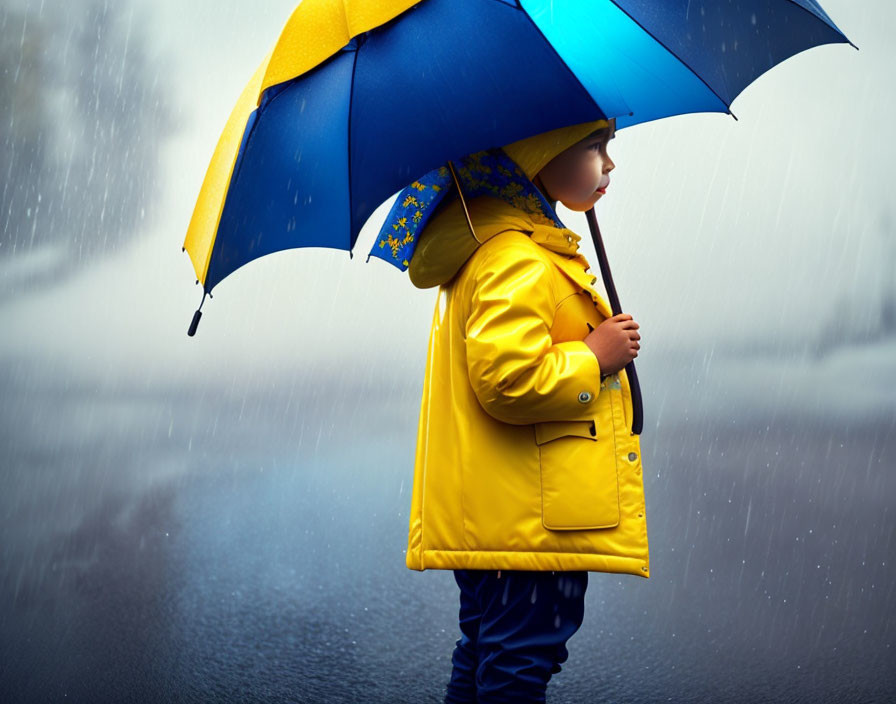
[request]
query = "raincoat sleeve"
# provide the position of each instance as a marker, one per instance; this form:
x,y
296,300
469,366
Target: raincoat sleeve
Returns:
x,y
517,372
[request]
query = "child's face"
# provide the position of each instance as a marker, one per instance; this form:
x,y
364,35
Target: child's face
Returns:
x,y
578,176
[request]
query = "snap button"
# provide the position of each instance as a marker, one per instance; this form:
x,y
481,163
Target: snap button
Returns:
x,y
584,396
632,456
569,238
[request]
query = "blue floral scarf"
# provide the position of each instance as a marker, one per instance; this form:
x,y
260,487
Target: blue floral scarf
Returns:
x,y
490,172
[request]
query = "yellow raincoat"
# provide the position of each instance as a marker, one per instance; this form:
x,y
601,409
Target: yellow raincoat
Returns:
x,y
525,458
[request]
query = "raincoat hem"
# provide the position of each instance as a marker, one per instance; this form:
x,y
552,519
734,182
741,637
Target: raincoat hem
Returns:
x,y
512,560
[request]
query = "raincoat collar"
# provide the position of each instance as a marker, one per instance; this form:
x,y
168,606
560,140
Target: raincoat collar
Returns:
x,y
447,244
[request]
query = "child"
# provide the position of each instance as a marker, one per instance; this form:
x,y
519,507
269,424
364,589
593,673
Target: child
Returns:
x,y
527,475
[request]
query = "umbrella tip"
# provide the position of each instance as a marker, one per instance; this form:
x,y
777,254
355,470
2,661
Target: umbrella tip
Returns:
x,y
734,116
853,45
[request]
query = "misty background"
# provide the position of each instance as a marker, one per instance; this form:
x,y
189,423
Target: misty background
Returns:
x,y
224,517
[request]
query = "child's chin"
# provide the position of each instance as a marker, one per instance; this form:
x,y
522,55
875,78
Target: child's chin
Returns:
x,y
579,207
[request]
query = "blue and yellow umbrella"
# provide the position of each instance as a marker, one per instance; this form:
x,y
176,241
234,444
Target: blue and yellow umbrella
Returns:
x,y
360,98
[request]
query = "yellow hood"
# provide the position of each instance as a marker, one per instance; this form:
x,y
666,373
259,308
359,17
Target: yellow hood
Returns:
x,y
446,242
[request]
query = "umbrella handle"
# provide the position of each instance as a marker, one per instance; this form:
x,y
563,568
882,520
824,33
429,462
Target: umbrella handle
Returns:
x,y
197,315
637,406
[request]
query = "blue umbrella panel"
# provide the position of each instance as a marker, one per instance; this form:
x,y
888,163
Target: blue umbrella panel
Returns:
x,y
447,78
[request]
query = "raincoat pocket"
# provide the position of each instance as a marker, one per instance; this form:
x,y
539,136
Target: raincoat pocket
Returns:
x,y
579,486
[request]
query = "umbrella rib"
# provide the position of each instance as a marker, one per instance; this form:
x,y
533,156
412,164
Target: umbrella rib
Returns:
x,y
351,97
680,60
560,58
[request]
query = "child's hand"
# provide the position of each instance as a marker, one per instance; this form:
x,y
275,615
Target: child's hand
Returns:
x,y
614,342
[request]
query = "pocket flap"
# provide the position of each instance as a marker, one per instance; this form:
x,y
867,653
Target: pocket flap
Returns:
x,y
551,430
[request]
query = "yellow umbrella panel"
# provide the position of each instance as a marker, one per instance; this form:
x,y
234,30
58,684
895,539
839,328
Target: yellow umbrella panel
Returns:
x,y
316,30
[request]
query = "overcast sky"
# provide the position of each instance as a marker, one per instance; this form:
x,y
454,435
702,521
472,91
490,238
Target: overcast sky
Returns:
x,y
744,242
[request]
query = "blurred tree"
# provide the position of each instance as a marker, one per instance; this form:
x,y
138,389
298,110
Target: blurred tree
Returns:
x,y
84,116
23,129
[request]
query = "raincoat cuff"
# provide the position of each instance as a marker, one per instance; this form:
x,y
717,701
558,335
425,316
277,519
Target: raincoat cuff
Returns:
x,y
585,374
581,357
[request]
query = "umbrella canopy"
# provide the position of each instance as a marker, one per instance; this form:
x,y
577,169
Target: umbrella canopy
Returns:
x,y
356,100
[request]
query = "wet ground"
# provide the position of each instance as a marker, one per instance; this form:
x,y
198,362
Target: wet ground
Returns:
x,y
161,545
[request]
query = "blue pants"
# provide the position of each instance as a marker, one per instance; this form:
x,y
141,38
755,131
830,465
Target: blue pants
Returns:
x,y
514,630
